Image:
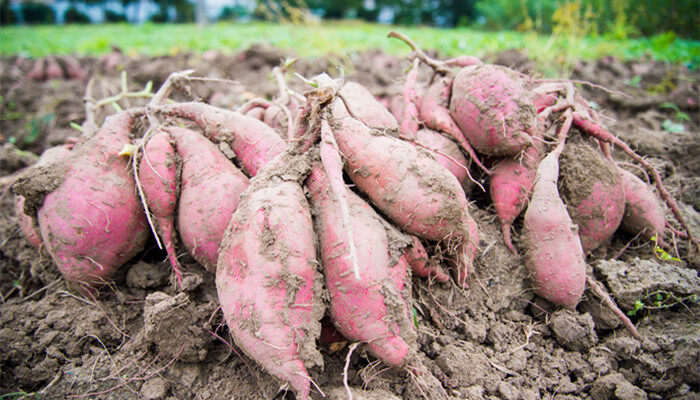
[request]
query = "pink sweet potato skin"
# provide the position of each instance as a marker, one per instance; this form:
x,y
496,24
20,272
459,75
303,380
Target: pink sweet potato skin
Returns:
x,y
363,105
643,210
266,281
254,143
374,308
26,223
448,154
93,222
158,174
511,186
398,177
210,192
554,256
493,108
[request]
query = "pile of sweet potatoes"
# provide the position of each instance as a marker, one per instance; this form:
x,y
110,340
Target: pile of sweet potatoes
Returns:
x,y
327,202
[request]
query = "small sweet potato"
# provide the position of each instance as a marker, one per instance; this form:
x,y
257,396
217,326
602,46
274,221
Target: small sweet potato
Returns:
x,y
26,223
643,210
363,105
159,178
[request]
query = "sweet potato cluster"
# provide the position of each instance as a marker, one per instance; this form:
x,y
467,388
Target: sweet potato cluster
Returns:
x,y
331,200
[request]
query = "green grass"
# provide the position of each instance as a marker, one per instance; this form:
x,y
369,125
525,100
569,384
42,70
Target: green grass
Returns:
x,y
319,40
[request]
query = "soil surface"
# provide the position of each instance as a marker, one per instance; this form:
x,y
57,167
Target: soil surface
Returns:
x,y
144,338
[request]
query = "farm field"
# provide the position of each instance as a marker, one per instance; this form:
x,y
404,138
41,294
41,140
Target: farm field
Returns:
x,y
143,336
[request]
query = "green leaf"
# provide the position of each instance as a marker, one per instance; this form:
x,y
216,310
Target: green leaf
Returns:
x,y
670,126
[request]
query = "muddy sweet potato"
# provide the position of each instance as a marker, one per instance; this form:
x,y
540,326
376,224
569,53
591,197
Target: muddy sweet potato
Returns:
x,y
89,216
159,176
253,142
26,224
360,103
643,211
266,277
591,188
210,191
553,253
412,189
373,308
493,108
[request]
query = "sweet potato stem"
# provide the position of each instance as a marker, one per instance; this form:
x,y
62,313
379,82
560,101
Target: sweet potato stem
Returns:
x,y
439,66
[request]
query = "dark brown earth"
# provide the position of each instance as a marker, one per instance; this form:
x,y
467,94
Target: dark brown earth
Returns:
x,y
143,338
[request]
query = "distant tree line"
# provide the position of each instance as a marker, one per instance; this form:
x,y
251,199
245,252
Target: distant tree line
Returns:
x,y
620,18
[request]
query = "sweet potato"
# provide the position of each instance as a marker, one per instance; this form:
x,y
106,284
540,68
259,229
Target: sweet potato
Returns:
x,y
253,142
493,108
53,69
363,105
417,258
38,71
435,115
408,186
26,223
448,154
554,256
511,185
256,112
89,216
159,177
73,68
373,308
643,211
210,192
266,277
590,186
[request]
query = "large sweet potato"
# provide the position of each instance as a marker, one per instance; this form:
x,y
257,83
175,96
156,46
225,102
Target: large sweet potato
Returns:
x,y
89,216
253,142
408,186
554,256
373,308
266,277
493,108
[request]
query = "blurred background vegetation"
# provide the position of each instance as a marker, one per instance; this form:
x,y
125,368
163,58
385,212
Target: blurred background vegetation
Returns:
x,y
616,19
